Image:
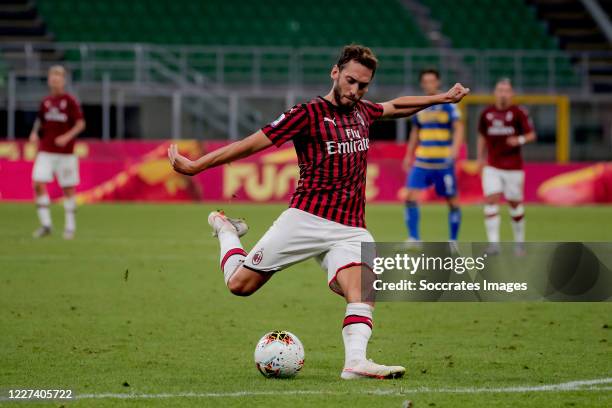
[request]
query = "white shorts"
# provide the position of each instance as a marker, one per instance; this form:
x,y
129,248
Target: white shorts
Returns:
x,y
297,235
63,166
508,182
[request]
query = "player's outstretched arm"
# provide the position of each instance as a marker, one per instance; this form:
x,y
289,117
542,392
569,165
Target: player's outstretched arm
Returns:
x,y
243,148
409,105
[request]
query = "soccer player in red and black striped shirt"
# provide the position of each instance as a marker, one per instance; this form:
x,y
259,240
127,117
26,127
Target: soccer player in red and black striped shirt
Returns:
x,y
325,220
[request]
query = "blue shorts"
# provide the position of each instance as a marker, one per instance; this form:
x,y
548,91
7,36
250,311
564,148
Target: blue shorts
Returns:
x,y
444,180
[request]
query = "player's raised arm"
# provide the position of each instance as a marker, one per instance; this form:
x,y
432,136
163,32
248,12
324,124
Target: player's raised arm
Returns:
x,y
409,105
243,148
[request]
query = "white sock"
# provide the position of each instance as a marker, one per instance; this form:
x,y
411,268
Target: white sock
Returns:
x,y
70,209
232,253
518,223
492,220
42,208
356,332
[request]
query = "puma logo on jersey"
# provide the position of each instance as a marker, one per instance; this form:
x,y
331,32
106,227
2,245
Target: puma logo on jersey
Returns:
x,y
330,120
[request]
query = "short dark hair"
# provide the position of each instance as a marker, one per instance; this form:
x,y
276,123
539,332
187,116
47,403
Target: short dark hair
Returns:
x,y
431,71
360,54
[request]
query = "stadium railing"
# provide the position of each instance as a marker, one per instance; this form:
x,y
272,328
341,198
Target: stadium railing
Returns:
x,y
217,91
549,71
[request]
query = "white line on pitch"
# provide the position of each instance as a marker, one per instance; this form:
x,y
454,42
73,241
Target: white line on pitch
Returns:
x,y
581,385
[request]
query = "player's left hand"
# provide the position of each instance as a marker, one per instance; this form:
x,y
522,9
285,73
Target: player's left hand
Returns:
x,y
456,93
62,140
180,163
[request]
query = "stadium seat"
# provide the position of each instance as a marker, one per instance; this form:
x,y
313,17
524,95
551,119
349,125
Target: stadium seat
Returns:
x,y
221,22
502,25
285,23
509,24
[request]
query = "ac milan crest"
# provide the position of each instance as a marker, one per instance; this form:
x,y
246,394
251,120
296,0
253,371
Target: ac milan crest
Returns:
x,y
258,257
360,119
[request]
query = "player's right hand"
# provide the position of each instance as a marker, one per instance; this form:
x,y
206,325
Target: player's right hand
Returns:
x,y
34,137
180,163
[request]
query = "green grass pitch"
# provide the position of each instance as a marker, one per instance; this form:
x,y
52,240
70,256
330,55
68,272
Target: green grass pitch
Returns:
x,y
136,305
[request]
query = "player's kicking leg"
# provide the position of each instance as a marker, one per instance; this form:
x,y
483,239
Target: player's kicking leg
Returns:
x,y
239,280
357,329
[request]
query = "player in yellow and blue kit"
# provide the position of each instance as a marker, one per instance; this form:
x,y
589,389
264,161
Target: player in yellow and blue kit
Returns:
x,y
435,140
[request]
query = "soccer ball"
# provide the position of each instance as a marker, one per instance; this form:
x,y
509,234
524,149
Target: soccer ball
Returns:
x,y
279,354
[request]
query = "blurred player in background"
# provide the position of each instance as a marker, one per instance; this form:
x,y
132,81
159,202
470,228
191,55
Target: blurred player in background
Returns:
x,y
59,122
502,129
325,220
435,139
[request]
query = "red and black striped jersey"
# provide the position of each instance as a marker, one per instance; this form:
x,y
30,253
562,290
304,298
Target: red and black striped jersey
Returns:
x,y
332,148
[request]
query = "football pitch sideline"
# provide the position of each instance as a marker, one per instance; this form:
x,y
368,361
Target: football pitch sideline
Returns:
x,y
134,312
